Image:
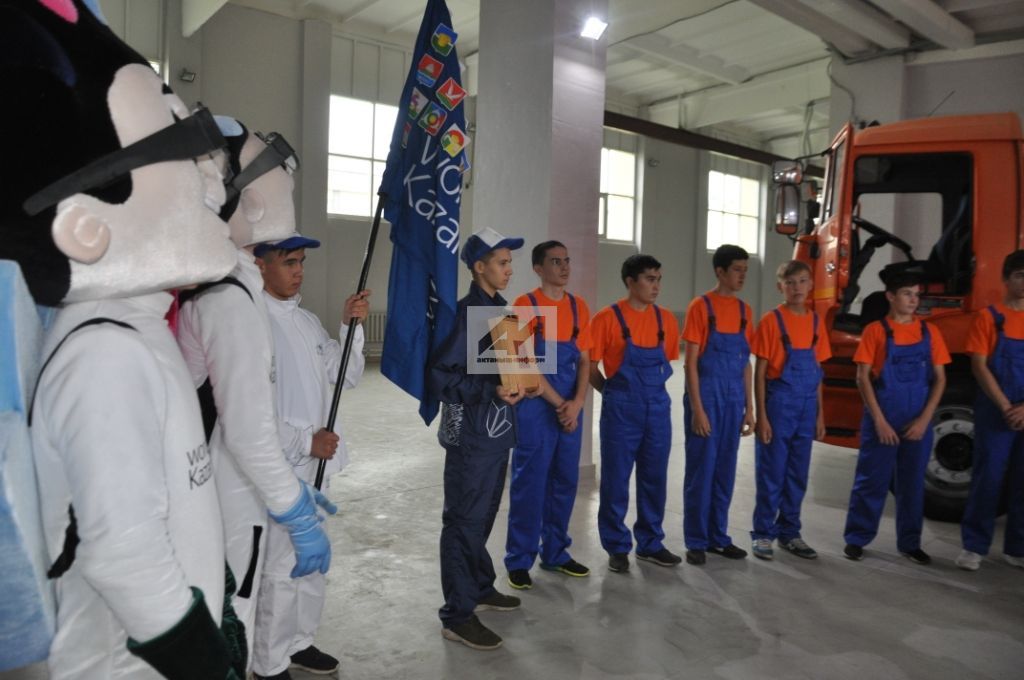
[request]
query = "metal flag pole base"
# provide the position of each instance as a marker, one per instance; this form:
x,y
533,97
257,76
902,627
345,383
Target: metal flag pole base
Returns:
x,y
350,335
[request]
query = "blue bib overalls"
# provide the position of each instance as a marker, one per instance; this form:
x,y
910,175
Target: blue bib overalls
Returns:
x,y
781,466
636,428
902,390
545,466
998,454
711,461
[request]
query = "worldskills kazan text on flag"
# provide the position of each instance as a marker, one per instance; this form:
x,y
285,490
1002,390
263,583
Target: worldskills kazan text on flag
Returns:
x,y
422,187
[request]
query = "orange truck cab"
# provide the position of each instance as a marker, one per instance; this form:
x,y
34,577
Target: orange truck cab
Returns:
x,y
939,196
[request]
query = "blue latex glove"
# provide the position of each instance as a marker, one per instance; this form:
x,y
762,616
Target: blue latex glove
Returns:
x,y
312,547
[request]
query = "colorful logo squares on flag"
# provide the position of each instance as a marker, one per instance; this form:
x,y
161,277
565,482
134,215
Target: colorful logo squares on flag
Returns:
x,y
406,129
454,140
417,102
450,94
432,119
429,70
443,40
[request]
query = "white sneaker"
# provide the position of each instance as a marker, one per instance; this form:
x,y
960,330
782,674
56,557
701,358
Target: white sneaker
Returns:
x,y
1014,561
969,560
762,547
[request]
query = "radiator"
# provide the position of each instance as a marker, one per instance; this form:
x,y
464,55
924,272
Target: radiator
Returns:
x,y
373,330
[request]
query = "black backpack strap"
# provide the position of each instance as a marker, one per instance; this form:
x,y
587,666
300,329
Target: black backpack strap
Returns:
x,y
67,552
191,293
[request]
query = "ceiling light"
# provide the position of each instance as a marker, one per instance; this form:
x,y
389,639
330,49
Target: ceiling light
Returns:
x,y
593,28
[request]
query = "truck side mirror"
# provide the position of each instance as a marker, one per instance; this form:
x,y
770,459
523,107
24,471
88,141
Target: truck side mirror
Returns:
x,y
787,172
787,209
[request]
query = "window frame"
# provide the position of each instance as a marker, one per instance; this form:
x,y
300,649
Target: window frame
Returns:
x,y
377,163
603,196
754,251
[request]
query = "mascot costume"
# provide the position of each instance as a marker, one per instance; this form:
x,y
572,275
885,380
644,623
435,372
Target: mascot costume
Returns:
x,y
110,198
225,336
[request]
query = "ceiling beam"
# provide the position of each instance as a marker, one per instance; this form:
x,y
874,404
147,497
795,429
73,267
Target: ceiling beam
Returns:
x,y
968,5
694,140
931,21
405,21
782,89
832,32
864,20
356,11
661,49
999,49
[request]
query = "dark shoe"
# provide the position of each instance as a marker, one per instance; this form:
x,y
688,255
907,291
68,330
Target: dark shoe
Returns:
x,y
498,602
473,634
918,556
663,558
853,552
570,568
618,562
799,548
283,675
312,660
697,557
729,552
520,579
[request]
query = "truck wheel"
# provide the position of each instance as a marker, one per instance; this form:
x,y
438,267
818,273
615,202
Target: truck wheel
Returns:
x,y
947,479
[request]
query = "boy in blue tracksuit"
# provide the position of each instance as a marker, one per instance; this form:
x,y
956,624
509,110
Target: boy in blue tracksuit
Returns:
x,y
717,406
901,376
477,430
996,346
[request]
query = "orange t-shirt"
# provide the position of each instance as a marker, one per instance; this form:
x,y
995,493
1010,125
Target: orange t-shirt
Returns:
x,y
727,318
606,333
871,349
768,339
982,337
564,312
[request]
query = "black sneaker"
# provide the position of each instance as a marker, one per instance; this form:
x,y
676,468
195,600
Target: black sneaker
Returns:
x,y
520,579
663,558
473,634
312,660
283,675
697,557
853,552
729,552
798,547
618,562
918,556
498,602
570,568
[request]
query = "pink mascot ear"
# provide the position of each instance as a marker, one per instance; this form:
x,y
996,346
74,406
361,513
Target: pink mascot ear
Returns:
x,y
80,235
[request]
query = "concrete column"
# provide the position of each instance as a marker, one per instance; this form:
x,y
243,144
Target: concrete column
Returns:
x,y
311,180
540,112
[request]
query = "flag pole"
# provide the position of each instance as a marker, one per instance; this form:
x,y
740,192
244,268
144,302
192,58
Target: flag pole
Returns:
x,y
350,335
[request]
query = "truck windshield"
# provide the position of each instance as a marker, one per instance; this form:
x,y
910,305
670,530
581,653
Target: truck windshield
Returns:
x,y
924,201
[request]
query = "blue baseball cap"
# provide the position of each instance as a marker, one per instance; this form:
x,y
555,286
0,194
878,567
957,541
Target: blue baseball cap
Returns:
x,y
296,240
483,242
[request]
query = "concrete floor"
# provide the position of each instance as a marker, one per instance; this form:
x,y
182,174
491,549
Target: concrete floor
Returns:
x,y
829,618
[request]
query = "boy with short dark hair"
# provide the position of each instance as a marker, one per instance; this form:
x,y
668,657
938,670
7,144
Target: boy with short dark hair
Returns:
x,y
717,405
546,460
901,377
996,346
478,428
635,339
790,344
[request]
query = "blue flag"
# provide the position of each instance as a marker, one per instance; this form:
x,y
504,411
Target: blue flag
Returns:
x,y
422,186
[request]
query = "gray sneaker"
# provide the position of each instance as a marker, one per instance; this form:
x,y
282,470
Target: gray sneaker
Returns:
x,y
762,548
799,548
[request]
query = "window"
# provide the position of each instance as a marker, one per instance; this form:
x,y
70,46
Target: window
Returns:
x,y
734,213
616,215
358,144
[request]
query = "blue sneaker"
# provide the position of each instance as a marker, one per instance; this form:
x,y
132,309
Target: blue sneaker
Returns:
x,y
762,548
